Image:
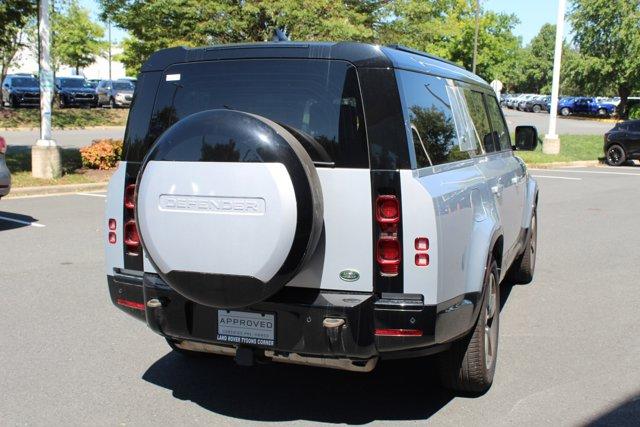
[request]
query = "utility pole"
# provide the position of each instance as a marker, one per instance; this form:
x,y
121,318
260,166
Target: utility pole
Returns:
x,y
109,31
551,143
45,155
475,38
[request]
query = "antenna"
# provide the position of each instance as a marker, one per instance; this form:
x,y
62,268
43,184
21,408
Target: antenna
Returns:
x,y
280,35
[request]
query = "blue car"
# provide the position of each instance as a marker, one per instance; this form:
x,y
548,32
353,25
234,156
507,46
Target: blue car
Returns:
x,y
585,106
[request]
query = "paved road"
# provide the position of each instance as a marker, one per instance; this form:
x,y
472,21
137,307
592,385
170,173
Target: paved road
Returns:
x,y
65,138
566,126
569,343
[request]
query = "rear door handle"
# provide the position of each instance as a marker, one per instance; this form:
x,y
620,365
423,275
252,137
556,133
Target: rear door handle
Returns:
x,y
497,190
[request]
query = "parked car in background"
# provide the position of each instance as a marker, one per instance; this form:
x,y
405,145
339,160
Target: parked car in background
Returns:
x,y
74,91
536,104
93,82
20,90
514,101
115,93
133,80
622,143
5,175
523,100
585,106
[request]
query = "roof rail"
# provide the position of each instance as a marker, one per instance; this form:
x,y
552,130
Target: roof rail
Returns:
x,y
421,53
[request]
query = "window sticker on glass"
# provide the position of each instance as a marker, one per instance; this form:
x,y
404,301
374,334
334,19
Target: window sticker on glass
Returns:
x,y
173,77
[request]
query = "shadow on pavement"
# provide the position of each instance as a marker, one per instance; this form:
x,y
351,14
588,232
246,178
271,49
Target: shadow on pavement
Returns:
x,y
626,414
19,221
395,390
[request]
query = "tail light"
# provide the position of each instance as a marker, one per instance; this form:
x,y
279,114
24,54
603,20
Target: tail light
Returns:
x,y
422,248
388,255
129,196
3,145
388,251
131,237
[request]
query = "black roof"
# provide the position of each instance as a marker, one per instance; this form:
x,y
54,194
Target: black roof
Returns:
x,y
359,54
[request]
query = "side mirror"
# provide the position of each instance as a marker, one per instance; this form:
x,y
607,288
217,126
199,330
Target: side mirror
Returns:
x,y
526,138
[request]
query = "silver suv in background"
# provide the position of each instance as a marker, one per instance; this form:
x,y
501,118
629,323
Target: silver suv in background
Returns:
x,y
115,93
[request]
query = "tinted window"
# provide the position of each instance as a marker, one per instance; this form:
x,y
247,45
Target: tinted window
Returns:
x,y
430,119
73,83
313,98
500,129
24,82
122,86
478,113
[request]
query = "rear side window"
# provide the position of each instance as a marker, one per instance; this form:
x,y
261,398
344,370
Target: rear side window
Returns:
x,y
478,113
317,100
502,141
430,119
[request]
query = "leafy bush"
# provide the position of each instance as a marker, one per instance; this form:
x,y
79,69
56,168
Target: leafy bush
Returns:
x,y
102,154
634,112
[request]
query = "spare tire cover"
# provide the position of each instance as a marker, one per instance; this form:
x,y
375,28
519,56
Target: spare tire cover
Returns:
x,y
229,207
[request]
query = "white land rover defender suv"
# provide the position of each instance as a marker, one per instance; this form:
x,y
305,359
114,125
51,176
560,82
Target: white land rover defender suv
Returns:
x,y
328,204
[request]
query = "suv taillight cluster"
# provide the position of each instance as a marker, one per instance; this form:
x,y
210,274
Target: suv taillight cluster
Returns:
x,y
388,246
131,237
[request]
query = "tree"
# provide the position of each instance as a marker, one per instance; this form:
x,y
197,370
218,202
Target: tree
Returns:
x,y
447,28
14,16
606,35
166,23
76,39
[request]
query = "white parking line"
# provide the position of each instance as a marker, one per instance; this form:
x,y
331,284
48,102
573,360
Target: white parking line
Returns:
x,y
19,221
91,194
557,177
588,172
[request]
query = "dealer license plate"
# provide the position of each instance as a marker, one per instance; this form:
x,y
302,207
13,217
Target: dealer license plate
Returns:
x,y
243,327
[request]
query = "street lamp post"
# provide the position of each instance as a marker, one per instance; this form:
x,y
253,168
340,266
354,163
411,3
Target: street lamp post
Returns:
x,y
475,37
45,155
552,140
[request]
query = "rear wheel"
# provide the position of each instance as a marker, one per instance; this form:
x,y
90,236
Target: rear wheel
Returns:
x,y
603,112
565,111
616,155
537,108
469,365
523,268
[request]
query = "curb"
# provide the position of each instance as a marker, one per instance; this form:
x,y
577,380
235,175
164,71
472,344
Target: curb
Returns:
x,y
576,164
56,189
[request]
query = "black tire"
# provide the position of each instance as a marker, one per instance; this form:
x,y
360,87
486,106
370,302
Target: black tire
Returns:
x,y
469,365
523,268
537,108
615,155
14,102
61,102
565,111
112,103
603,112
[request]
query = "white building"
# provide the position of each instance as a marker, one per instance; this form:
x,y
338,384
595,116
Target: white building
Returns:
x,y
26,61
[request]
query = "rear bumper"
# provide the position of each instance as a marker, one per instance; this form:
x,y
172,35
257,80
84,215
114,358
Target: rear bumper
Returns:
x,y
299,317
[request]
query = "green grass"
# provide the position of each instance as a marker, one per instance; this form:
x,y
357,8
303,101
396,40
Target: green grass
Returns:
x,y
65,118
572,148
18,159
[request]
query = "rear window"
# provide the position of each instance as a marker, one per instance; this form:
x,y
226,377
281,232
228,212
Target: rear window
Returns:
x,y
316,99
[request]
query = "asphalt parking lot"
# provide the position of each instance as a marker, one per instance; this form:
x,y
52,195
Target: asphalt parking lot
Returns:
x,y
569,342
565,125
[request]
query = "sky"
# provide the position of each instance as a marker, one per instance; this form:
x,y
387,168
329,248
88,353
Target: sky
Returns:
x,y
531,13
